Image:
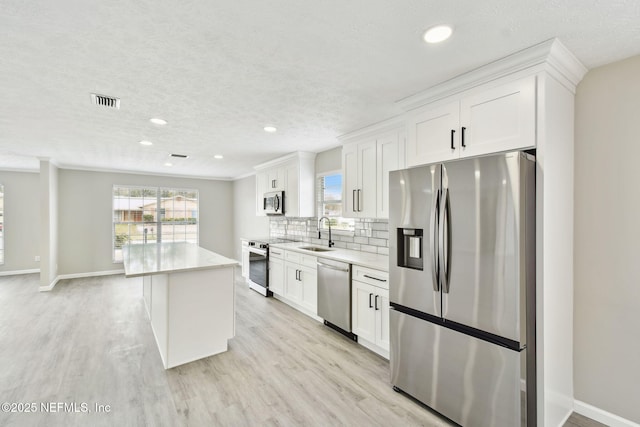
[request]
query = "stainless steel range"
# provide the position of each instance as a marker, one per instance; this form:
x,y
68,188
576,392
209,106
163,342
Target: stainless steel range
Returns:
x,y
259,264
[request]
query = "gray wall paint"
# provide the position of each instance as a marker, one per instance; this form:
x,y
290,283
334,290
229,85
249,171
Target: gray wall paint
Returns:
x,y
21,220
85,216
330,160
607,239
246,223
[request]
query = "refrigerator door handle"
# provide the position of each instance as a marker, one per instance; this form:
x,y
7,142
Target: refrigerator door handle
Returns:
x,y
433,241
445,240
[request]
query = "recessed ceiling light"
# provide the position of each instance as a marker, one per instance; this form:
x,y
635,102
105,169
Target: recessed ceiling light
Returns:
x,y
157,121
437,34
218,156
146,142
168,164
270,129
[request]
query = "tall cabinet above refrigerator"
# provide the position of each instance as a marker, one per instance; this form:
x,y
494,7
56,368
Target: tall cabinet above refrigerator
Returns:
x,y
462,288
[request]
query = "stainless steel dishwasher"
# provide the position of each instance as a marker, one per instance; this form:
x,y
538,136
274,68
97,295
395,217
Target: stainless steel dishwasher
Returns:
x,y
334,295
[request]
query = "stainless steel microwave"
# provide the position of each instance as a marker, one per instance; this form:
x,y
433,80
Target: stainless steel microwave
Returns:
x,y
273,203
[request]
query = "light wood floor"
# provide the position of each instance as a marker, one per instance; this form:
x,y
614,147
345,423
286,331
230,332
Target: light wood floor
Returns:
x,y
89,341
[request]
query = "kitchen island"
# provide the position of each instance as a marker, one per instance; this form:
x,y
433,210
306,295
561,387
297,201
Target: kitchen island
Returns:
x,y
189,296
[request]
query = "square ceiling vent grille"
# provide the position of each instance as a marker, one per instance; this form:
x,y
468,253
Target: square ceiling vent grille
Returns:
x,y
105,101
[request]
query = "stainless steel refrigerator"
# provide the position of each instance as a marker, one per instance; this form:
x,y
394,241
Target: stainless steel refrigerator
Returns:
x,y
462,288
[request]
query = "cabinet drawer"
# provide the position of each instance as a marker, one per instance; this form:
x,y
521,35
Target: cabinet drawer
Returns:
x,y
276,253
369,275
302,259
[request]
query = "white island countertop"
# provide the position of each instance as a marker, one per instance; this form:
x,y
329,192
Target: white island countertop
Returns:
x,y
365,259
160,258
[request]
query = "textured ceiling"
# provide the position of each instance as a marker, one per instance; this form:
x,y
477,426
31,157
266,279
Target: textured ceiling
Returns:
x,y
219,71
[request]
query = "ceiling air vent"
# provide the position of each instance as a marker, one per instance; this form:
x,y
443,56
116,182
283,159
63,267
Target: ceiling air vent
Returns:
x,y
105,101
180,156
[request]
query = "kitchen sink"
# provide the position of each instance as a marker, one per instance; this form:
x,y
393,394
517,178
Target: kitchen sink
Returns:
x,y
315,249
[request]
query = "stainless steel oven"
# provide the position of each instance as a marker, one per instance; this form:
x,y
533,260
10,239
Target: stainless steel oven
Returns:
x,y
259,267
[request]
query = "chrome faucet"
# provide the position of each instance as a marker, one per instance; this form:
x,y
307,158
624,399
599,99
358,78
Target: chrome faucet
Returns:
x,y
328,222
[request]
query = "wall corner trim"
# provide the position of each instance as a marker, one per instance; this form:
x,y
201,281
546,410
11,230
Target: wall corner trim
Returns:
x,y
602,416
50,286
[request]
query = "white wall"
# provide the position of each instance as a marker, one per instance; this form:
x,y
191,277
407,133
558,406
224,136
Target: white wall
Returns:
x,y
607,239
85,216
21,220
246,224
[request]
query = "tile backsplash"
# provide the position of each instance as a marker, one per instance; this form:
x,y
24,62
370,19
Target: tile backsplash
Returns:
x,y
371,235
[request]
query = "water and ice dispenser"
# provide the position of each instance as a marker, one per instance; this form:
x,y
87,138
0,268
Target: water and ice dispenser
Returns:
x,y
410,248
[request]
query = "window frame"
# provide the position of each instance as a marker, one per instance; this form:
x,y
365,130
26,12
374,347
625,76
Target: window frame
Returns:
x,y
160,213
320,203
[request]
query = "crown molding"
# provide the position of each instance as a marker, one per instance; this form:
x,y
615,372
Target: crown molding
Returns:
x,y
298,155
550,55
392,124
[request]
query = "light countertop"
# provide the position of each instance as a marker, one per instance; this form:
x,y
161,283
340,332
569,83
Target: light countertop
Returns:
x,y
160,258
365,259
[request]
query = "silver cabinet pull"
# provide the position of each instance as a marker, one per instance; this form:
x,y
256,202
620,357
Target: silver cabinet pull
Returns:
x,y
353,201
375,278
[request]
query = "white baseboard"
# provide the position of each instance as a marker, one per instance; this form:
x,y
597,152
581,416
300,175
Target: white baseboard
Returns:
x,y
17,272
50,287
77,276
602,416
90,274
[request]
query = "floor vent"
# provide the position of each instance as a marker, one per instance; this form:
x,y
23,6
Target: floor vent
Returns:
x,y
181,156
105,101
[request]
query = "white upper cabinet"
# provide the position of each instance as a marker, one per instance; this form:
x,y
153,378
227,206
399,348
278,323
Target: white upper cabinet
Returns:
x,y
295,175
277,178
366,163
360,179
390,156
499,119
487,120
432,134
349,180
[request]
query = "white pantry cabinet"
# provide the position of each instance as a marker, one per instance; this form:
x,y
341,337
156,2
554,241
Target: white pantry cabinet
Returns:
x,y
370,308
295,175
366,161
488,119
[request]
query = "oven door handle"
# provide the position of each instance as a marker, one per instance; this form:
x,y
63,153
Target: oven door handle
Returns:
x,y
262,252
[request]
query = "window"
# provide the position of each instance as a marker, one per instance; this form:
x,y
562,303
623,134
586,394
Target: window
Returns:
x,y
1,224
330,203
152,214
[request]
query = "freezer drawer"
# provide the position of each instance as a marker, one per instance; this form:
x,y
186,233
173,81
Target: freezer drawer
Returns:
x,y
470,381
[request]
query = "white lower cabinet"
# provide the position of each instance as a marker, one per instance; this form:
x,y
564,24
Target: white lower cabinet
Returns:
x,y
276,272
301,281
370,309
245,259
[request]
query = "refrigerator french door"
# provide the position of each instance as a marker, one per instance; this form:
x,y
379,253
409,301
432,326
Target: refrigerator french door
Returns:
x,y
462,288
